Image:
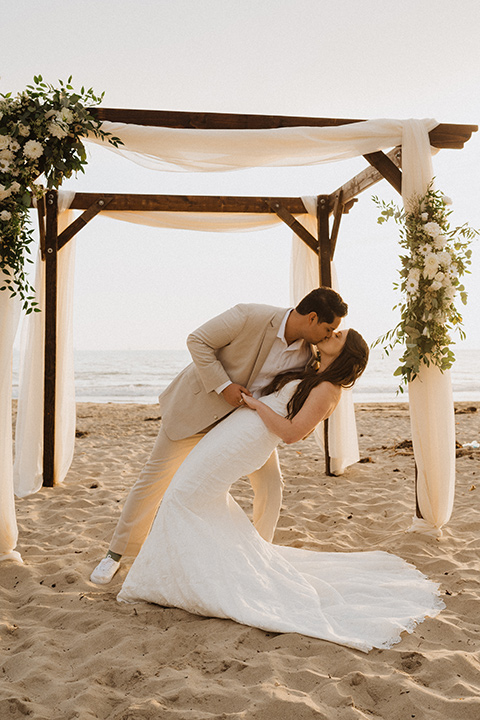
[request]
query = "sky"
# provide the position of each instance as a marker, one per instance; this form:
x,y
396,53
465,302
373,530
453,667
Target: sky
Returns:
x,y
143,288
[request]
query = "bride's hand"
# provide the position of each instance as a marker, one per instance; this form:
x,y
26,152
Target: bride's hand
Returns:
x,y
250,401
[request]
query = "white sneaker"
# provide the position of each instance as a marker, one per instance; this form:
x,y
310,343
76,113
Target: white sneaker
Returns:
x,y
105,570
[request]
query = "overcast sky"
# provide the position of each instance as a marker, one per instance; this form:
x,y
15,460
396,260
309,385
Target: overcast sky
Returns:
x,y
139,287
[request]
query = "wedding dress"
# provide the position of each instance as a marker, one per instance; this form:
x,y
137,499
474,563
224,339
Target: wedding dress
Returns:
x,y
204,555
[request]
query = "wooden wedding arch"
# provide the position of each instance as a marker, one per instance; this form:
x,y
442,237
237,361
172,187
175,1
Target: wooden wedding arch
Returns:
x,y
330,208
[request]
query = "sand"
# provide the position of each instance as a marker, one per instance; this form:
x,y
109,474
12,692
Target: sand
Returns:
x,y
69,650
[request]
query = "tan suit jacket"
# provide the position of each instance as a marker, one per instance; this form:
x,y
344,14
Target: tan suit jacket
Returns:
x,y
232,346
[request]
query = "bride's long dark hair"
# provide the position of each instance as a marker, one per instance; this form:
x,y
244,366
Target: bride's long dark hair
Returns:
x,y
344,371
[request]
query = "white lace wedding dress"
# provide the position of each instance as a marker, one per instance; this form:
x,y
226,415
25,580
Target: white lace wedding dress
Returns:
x,y
204,555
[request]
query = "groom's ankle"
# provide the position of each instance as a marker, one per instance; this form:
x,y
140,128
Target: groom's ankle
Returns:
x,y
114,556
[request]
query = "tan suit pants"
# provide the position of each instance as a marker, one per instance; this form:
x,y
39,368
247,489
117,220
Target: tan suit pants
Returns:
x,y
145,496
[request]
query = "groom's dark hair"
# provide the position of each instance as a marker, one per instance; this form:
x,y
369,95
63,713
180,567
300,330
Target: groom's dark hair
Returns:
x,y
325,302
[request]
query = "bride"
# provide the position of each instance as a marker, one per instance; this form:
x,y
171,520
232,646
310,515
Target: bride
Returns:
x,y
204,555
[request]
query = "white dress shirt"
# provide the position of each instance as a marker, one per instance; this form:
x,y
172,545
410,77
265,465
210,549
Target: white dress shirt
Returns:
x,y
281,358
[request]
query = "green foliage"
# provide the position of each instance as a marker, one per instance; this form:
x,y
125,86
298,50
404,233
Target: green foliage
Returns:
x,y
437,256
41,131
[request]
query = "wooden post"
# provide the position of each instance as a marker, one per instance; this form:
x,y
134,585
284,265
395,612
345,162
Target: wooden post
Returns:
x,y
325,275
50,356
324,245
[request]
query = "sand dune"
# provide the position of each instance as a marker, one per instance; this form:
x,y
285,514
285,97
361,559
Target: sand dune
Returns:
x,y
71,651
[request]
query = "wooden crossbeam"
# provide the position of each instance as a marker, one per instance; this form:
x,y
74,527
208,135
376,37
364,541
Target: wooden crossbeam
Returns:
x,y
387,168
296,226
445,135
81,221
187,203
211,121
364,180
337,216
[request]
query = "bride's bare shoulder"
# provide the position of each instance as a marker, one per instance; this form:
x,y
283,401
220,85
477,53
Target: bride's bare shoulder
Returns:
x,y
327,388
326,392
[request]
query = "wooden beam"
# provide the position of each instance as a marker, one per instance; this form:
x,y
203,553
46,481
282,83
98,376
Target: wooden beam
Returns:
x,y
41,224
81,221
324,246
297,227
187,203
364,180
445,135
337,216
387,168
418,512
325,275
209,120
50,351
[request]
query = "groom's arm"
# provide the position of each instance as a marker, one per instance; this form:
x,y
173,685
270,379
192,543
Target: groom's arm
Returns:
x,y
210,337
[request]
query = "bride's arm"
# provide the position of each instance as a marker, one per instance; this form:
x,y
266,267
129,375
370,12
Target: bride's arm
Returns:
x,y
319,405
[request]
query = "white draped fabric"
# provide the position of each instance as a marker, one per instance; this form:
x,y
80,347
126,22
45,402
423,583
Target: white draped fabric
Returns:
x,y
430,394
9,316
183,149
433,434
207,222
28,465
304,277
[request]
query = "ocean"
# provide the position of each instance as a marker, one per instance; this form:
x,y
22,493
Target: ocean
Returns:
x,y
138,376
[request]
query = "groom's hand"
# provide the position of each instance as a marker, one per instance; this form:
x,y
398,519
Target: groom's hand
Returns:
x,y
233,394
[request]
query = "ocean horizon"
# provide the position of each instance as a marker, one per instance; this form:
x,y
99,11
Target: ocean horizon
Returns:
x,y
139,376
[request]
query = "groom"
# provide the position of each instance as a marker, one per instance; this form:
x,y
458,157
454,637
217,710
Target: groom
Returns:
x,y
240,350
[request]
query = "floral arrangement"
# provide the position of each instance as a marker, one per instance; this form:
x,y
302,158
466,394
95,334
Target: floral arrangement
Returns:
x,y
438,256
40,140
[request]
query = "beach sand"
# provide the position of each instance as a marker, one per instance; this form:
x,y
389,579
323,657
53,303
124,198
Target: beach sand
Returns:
x,y
69,650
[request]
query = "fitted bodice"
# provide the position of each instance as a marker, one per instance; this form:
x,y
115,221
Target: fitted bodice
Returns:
x,y
279,400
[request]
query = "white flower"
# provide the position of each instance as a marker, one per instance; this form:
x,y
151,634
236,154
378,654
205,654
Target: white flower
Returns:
x,y
439,242
434,286
14,187
450,292
423,249
431,265
6,155
57,130
411,286
444,258
65,115
433,229
4,164
5,215
32,149
5,141
447,200
453,270
414,274
14,145
424,217
440,277
24,130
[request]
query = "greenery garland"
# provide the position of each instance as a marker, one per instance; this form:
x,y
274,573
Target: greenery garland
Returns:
x,y
438,256
40,139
